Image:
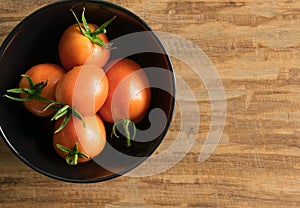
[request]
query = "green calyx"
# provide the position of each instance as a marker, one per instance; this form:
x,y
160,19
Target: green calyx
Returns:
x,y
63,110
92,35
72,154
33,92
124,125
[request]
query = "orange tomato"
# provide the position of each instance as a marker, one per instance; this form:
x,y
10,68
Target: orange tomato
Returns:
x,y
42,73
75,49
86,141
129,92
84,88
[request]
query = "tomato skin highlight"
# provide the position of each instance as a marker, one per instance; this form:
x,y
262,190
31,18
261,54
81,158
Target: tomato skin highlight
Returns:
x,y
75,49
84,88
41,73
129,92
91,138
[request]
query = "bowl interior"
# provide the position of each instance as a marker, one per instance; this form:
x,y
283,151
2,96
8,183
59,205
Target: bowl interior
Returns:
x,y
35,40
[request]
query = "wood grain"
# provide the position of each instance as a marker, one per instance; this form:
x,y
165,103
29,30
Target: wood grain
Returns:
x,y
255,47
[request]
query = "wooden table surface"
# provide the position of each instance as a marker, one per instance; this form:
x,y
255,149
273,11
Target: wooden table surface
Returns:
x,y
255,48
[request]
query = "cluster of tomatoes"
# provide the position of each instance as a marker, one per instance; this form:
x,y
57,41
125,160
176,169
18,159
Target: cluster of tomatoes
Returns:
x,y
85,91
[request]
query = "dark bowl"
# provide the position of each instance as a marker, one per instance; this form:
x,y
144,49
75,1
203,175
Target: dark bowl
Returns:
x,y
35,40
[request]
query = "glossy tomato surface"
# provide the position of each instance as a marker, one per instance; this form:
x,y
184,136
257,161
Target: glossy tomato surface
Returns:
x,y
129,92
84,88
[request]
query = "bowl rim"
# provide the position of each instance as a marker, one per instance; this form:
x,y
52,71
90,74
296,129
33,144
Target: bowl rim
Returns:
x,y
15,30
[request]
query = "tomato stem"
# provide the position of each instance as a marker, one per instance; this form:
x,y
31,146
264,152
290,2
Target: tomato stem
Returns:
x,y
125,124
92,35
66,111
72,154
33,92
